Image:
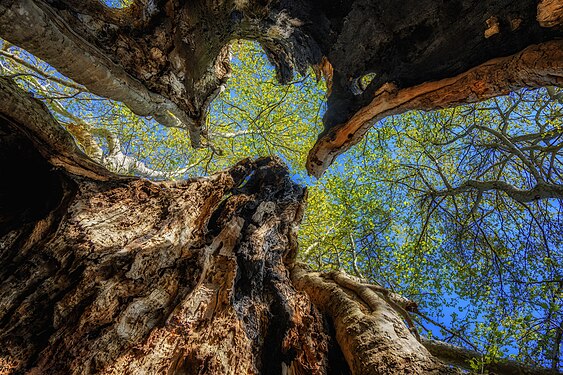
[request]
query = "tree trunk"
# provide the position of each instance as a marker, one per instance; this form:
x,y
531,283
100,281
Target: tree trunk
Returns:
x,y
120,275
105,274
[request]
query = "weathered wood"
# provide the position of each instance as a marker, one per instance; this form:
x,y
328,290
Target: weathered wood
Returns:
x,y
170,58
550,13
370,332
536,66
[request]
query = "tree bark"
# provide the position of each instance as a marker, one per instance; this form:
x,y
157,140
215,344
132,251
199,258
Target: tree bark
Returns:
x,y
102,274
370,331
170,58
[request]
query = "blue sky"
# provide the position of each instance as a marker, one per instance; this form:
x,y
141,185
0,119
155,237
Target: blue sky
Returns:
x,y
454,303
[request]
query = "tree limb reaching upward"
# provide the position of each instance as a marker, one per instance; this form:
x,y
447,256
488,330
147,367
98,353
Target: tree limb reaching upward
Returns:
x,y
529,68
366,327
100,75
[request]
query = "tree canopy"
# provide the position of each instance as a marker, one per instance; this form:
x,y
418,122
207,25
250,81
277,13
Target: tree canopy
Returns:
x,y
459,210
170,59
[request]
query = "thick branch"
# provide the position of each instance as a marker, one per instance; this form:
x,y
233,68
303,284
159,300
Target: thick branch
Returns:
x,y
540,191
461,357
56,145
38,30
536,66
371,334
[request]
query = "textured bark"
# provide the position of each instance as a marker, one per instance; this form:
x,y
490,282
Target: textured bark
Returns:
x,y
370,332
101,274
39,29
169,58
550,13
131,280
536,66
118,275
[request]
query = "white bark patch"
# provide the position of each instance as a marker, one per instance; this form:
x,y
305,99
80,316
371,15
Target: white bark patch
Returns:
x,y
139,315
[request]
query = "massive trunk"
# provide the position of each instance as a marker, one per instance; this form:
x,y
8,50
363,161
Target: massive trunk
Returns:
x,y
170,58
105,274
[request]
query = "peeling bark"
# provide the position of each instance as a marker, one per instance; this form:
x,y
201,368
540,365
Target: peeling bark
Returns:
x,y
536,66
550,13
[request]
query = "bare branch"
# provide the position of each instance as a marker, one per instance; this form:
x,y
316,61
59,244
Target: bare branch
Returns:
x,y
461,357
540,191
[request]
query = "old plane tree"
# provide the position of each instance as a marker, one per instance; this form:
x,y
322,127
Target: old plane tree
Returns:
x,y
103,273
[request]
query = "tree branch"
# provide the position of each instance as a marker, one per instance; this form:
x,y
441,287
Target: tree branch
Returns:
x,y
41,72
51,140
537,65
540,191
461,357
38,30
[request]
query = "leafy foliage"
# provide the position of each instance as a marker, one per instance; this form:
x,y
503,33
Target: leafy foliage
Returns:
x,y
459,210
482,265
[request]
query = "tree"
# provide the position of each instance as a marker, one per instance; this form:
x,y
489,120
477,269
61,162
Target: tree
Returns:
x,y
106,273
481,265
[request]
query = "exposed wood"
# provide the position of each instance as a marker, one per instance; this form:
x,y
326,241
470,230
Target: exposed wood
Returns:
x,y
170,59
493,27
550,13
324,70
536,66
131,279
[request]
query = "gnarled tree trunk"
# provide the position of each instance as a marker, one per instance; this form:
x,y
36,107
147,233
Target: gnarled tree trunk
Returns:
x,y
102,274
